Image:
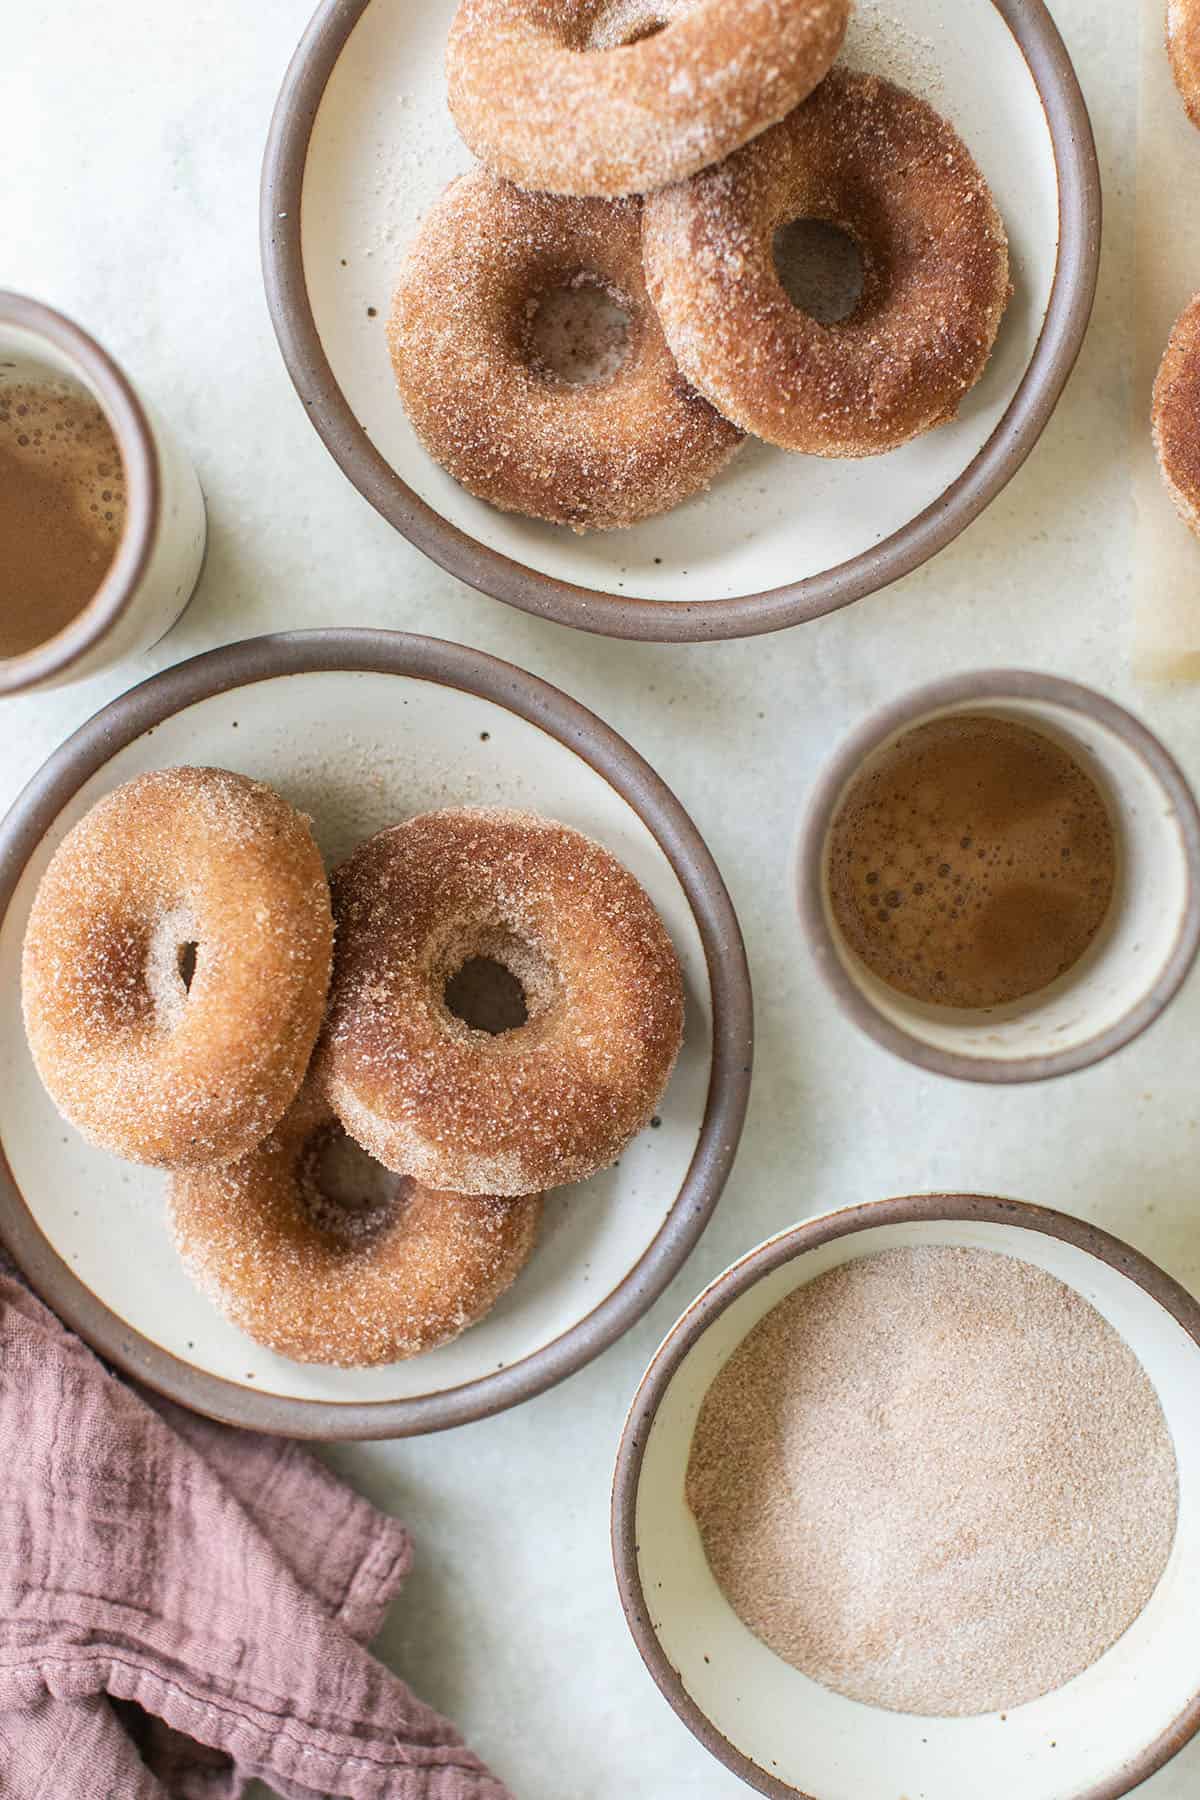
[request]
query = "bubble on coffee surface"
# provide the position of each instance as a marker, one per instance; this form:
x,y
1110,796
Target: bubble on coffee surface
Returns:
x,y
973,863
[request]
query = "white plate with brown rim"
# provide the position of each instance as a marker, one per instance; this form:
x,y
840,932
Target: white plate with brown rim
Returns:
x,y
361,729
1096,1738
362,143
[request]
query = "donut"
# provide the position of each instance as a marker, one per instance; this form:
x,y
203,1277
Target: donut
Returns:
x,y
591,455
1183,47
324,1261
175,967
613,97
558,1094
877,163
1176,415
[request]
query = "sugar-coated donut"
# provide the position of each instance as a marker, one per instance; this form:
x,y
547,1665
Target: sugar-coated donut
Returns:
x,y
176,964
1176,415
613,97
881,165
1183,47
512,432
553,1099
355,1277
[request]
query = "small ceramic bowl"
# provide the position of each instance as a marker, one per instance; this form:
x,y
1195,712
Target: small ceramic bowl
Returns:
x,y
1145,948
362,144
159,557
361,729
1097,1738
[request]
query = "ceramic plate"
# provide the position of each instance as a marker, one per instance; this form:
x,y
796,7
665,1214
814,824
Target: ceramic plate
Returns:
x,y
362,143
1097,1737
361,729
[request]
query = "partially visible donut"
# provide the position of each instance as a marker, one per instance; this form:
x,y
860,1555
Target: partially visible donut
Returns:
x,y
1176,415
549,1101
176,964
614,97
1183,47
355,1277
881,165
514,433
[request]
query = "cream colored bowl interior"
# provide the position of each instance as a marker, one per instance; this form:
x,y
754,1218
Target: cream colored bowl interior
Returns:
x,y
384,146
1057,1748
359,751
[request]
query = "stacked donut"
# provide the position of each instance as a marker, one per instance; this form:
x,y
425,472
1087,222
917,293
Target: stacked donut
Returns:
x,y
589,322
1175,417
357,1149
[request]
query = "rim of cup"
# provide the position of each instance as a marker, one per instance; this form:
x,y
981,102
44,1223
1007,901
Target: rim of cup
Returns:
x,y
104,379
986,691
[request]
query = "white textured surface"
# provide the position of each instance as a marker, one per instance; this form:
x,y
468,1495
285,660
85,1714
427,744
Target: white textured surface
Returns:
x,y
130,139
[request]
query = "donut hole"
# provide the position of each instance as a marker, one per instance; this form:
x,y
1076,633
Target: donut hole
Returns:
x,y
345,1193
487,996
621,23
185,962
821,269
580,333
172,960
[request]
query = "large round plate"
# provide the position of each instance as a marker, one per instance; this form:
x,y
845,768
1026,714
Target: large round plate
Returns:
x,y
361,729
362,143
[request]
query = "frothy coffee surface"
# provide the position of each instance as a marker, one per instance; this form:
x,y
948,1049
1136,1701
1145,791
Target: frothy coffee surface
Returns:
x,y
62,509
973,863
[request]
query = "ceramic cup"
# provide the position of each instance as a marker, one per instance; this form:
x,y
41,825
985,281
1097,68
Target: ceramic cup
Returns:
x,y
1143,951
161,550
1097,1738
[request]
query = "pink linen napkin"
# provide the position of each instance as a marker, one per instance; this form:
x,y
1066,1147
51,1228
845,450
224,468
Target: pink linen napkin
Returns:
x,y
184,1607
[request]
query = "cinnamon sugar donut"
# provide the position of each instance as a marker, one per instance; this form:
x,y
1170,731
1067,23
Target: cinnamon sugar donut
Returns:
x,y
344,1265
1183,47
618,449
1176,416
613,97
555,1098
880,164
176,964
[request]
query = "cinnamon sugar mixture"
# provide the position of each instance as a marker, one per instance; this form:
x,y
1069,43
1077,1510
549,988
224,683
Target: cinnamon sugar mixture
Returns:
x,y
935,1480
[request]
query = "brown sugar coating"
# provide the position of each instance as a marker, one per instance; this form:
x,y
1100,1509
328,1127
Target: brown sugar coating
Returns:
x,y
553,1099
880,165
1183,47
176,964
614,97
972,863
375,1271
1176,416
485,405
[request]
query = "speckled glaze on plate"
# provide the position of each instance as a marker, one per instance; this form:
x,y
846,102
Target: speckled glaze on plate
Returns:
x,y
1097,1738
360,729
362,143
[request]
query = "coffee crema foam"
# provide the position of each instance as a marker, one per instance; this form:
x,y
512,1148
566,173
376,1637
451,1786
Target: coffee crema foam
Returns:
x,y
973,863
62,508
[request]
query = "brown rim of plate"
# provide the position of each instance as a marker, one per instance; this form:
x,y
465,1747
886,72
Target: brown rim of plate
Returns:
x,y
111,389
572,725
994,685
727,1288
668,621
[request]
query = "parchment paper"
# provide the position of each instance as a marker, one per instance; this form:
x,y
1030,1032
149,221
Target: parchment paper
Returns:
x,y
1166,555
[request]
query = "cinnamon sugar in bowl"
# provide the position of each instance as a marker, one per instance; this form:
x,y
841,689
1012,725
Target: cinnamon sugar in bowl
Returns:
x,y
832,1611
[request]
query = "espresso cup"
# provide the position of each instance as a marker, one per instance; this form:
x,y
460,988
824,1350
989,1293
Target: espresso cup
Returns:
x,y
1142,952
160,551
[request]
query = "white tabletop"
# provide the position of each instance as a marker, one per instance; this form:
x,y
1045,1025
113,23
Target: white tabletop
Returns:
x,y
130,139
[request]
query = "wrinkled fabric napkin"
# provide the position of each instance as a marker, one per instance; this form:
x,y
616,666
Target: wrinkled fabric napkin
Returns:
x,y
184,1607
